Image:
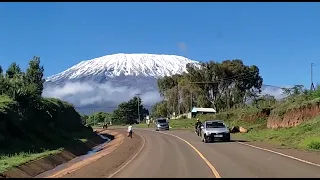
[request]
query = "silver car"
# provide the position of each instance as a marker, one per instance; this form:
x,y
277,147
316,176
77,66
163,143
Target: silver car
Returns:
x,y
162,124
214,130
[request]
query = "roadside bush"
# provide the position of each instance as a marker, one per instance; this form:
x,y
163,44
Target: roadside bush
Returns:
x,y
314,145
26,118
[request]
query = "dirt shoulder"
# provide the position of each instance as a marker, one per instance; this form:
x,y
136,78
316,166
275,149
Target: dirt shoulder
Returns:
x,y
110,162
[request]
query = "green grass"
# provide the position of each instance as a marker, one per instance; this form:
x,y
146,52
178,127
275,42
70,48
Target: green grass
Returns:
x,y
294,104
9,161
304,136
14,157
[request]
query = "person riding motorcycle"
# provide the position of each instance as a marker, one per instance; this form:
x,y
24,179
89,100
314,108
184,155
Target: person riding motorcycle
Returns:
x,y
198,127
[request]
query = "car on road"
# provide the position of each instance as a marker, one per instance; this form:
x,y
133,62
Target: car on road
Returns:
x,y
214,130
162,124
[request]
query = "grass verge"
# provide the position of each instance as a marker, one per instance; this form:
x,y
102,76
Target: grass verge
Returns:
x,y
304,136
9,161
16,156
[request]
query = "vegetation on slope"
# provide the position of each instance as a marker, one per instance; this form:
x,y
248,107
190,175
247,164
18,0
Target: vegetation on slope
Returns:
x,y
32,126
303,136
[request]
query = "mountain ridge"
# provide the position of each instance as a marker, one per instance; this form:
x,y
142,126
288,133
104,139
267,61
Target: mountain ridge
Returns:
x,y
109,80
115,65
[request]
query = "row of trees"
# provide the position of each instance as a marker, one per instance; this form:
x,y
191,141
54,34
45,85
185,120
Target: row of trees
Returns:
x,y
23,87
126,113
23,111
97,118
129,112
292,93
210,84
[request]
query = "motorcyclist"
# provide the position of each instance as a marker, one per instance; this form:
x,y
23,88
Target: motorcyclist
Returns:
x,y
198,127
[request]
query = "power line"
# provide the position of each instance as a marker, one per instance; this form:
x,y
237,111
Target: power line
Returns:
x,y
243,77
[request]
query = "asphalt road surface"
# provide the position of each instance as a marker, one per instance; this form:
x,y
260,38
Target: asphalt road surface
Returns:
x,y
168,156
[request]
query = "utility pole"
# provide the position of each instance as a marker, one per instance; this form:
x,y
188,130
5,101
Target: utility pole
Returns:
x,y
93,117
312,88
138,107
191,101
178,100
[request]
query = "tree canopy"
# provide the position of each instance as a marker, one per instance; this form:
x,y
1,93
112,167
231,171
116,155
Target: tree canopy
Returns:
x,y
127,112
208,84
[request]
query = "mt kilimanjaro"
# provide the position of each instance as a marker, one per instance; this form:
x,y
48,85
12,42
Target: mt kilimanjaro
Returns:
x,y
102,83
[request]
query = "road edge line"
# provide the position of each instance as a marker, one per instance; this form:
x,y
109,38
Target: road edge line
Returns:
x,y
212,168
280,154
128,162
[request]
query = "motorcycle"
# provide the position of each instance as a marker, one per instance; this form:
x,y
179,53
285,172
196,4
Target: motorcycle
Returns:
x,y
129,134
198,131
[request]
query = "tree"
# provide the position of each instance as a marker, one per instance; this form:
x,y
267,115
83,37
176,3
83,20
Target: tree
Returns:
x,y
296,90
210,84
160,109
13,70
98,118
25,88
127,112
34,75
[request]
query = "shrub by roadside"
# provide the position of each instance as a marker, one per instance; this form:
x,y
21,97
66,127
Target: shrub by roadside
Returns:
x,y
32,126
41,132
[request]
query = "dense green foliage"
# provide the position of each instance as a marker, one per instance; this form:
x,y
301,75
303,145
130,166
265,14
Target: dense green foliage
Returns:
x,y
127,112
219,85
97,118
28,121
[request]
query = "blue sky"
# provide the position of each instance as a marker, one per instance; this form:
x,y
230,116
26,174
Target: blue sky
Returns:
x,y
281,38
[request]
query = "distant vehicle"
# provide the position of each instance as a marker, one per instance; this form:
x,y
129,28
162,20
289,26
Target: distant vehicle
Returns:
x,y
162,124
214,130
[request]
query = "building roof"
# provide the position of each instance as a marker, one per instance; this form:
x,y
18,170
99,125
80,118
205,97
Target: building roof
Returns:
x,y
203,110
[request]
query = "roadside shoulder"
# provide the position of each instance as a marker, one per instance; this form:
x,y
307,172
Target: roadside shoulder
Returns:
x,y
111,162
307,155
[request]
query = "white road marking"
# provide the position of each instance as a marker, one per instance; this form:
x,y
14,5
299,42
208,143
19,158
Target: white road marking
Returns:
x,y
281,154
212,168
144,141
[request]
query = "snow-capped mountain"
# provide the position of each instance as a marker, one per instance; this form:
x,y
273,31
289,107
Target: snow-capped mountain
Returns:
x,y
111,66
112,79
102,83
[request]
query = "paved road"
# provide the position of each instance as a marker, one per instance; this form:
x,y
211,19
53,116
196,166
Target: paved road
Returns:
x,y
167,156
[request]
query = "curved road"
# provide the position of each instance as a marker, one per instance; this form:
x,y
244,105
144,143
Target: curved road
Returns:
x,y
166,156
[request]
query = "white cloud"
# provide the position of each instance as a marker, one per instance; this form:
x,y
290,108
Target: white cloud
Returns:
x,y
82,94
274,91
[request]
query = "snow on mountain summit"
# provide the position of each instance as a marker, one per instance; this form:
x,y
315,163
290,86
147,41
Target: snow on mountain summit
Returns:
x,y
149,65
